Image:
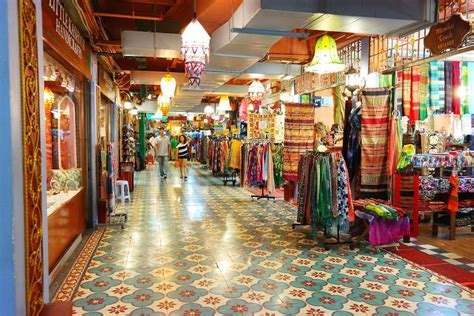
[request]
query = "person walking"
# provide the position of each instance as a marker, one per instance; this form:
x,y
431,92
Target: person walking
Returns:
x,y
174,150
183,154
163,152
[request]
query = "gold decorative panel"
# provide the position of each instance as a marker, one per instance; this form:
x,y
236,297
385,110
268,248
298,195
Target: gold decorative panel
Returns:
x,y
30,105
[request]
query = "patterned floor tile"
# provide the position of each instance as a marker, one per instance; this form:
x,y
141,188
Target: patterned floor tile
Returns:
x,y
200,248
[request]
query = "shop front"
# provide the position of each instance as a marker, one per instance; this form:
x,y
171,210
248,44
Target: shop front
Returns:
x,y
66,74
109,119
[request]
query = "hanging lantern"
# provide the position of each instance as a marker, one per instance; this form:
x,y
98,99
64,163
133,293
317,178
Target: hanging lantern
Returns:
x,y
256,91
128,105
163,104
48,97
168,85
209,109
195,51
325,58
353,80
158,115
224,104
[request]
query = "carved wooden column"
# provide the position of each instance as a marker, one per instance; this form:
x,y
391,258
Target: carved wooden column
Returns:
x,y
30,104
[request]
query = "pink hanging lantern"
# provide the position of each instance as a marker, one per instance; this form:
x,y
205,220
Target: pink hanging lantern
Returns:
x,y
195,51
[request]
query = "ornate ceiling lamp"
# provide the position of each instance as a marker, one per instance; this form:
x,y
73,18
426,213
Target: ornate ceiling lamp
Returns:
x,y
209,109
224,104
163,104
326,59
195,50
168,85
256,91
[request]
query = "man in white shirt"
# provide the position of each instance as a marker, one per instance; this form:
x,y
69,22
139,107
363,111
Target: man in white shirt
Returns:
x,y
163,151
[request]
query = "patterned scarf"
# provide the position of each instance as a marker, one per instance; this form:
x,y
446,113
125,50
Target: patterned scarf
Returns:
x,y
406,91
465,87
424,95
415,94
456,86
448,85
442,91
453,202
399,91
433,88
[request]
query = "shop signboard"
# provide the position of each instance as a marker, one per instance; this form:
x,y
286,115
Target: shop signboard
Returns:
x,y
449,34
107,86
310,82
60,33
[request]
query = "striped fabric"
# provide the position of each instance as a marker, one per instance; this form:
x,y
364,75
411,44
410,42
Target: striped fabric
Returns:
x,y
299,136
424,95
442,91
399,91
415,94
406,91
433,88
456,85
448,85
375,134
465,88
470,90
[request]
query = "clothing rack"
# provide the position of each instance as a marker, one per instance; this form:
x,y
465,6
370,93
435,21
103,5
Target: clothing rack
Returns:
x,y
326,235
263,195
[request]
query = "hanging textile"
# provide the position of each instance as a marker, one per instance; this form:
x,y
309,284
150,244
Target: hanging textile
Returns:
x,y
257,165
299,136
398,98
395,143
441,85
465,88
434,87
448,86
424,93
406,91
235,154
339,107
415,94
354,147
470,90
324,192
456,85
278,165
375,133
347,127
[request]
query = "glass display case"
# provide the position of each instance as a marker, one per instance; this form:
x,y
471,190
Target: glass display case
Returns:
x,y
62,95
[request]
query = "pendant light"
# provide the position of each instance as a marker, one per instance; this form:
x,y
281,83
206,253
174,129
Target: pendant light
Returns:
x,y
209,109
195,50
134,111
163,103
168,85
256,91
224,104
326,59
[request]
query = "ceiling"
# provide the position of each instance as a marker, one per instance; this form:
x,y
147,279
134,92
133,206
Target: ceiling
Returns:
x,y
234,56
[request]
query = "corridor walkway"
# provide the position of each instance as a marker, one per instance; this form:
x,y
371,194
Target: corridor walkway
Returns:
x,y
201,248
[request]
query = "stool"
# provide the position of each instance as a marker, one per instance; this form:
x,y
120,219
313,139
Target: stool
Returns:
x,y
122,190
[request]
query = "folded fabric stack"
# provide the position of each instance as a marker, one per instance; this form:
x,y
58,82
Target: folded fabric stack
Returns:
x,y
388,224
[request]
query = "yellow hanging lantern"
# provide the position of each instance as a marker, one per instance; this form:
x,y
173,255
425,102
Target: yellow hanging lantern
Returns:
x,y
325,58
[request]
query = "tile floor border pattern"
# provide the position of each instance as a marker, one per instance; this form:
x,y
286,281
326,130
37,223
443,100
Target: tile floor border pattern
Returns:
x,y
449,257
200,248
72,280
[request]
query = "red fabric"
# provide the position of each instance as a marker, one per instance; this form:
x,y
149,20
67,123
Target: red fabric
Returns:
x,y
456,86
453,203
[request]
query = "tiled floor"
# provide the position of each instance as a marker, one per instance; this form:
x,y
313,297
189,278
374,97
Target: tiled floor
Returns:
x,y
445,255
201,248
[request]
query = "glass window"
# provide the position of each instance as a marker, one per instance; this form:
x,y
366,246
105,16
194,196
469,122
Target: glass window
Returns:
x,y
62,97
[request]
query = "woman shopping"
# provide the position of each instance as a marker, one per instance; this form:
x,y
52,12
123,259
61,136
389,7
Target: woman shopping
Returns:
x,y
183,152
